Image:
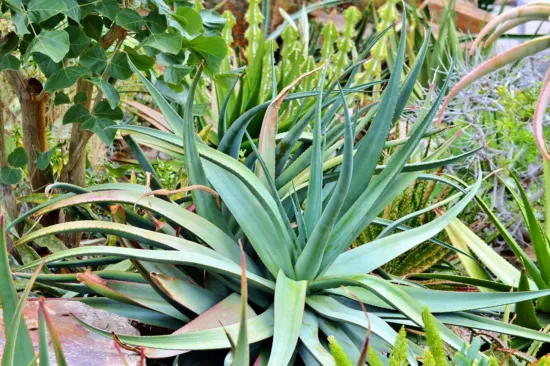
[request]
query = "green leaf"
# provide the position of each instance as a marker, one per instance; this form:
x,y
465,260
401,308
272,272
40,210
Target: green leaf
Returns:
x,y
10,175
18,321
373,143
18,158
43,158
80,97
310,260
43,344
21,22
242,349
9,43
104,110
525,310
101,127
65,78
130,19
24,351
54,44
185,253
538,238
309,336
73,11
156,22
460,238
141,62
205,203
210,49
109,91
46,64
107,8
79,41
9,62
61,98
119,68
175,74
94,59
41,10
290,302
353,261
173,119
165,42
93,26
76,114
212,21
189,19
202,228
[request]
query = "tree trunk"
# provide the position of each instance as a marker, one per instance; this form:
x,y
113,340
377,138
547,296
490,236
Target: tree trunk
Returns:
x,y
33,119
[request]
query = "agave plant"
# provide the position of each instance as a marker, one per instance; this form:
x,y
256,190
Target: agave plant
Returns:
x,y
296,226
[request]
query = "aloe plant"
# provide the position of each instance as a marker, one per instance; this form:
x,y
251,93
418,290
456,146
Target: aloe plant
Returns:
x,y
296,222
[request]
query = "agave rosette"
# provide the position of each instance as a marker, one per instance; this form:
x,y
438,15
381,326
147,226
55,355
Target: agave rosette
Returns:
x,y
296,221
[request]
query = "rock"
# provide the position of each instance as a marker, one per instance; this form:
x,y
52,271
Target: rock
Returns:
x,y
468,17
80,346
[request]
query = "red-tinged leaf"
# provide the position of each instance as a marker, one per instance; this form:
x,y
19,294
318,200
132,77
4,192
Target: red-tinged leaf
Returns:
x,y
242,352
511,24
540,110
56,343
227,312
121,354
525,11
150,115
266,145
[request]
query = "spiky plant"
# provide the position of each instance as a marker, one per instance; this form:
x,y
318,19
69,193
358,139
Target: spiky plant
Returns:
x,y
296,226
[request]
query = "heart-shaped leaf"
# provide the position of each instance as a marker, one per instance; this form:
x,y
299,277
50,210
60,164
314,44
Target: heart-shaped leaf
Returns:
x,y
100,126
189,19
61,98
93,26
165,42
76,114
43,158
108,90
175,74
130,19
9,62
10,175
65,78
95,59
18,158
46,64
54,44
141,62
104,110
119,68
79,41
73,11
107,8
41,10
210,49
156,22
